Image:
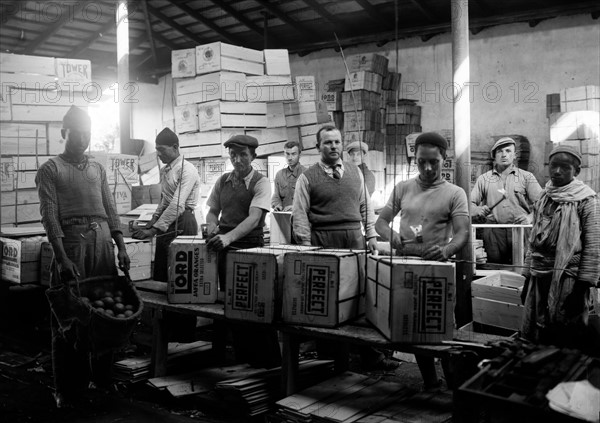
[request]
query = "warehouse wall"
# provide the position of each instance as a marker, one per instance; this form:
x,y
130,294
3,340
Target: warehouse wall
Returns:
x,y
513,67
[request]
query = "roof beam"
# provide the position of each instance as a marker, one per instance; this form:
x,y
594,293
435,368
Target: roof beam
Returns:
x,y
85,44
53,29
428,14
170,22
284,17
322,11
373,13
148,25
237,15
208,22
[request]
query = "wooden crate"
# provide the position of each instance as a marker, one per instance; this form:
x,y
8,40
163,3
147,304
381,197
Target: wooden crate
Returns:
x,y
360,100
306,88
21,259
73,74
183,63
120,168
275,115
199,139
222,114
371,62
228,86
322,288
573,125
363,80
497,300
333,100
220,56
277,62
410,300
363,120
186,118
18,63
268,93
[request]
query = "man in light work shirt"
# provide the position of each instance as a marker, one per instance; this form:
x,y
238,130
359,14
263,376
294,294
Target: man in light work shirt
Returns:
x,y
175,214
285,179
521,190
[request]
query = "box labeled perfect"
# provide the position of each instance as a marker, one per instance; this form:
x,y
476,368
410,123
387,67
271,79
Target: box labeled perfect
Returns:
x,y
193,272
411,300
254,282
323,288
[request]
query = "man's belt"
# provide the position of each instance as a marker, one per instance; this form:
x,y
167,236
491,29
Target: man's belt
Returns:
x,y
81,220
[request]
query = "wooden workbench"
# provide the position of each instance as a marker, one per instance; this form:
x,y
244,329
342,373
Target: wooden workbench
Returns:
x,y
357,333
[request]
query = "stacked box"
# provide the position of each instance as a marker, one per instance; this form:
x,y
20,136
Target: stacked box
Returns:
x,y
140,256
20,259
269,88
272,140
183,63
193,272
333,100
306,88
186,118
362,120
363,80
275,115
224,114
215,57
277,62
497,300
391,81
404,114
206,144
360,100
222,85
580,98
122,174
371,62
375,140
323,288
253,287
411,301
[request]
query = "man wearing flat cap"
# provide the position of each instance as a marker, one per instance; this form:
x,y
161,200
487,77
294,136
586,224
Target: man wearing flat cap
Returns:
x,y
80,218
432,211
503,195
180,191
238,204
562,265
357,152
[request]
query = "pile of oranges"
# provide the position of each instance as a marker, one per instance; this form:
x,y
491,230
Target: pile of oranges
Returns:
x,y
110,303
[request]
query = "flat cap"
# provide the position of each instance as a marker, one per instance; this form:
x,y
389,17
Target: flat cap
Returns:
x,y
355,145
77,119
241,141
502,141
567,150
432,138
167,137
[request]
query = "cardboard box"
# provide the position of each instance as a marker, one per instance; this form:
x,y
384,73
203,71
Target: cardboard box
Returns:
x,y
227,114
253,287
323,288
220,56
574,125
363,120
371,62
360,100
275,115
411,300
497,300
120,168
333,100
306,89
193,272
268,93
183,63
20,259
73,74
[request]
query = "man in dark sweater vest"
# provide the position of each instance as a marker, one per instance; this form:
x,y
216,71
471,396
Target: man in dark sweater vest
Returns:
x,y
238,205
330,205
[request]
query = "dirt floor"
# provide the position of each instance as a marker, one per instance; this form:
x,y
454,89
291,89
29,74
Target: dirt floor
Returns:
x,y
26,379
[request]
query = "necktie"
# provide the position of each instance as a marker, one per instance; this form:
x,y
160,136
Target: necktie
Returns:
x,y
336,172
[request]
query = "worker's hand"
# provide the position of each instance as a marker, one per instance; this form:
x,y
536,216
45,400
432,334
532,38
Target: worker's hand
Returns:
x,y
218,242
288,208
483,212
396,241
524,219
68,268
372,245
124,261
152,222
144,233
435,252
277,208
211,230
525,289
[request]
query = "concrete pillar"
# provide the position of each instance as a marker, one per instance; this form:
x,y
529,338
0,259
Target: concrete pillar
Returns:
x,y
462,140
124,85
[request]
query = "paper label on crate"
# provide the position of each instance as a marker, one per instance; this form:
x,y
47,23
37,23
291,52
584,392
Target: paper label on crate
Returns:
x,y
432,306
243,283
317,297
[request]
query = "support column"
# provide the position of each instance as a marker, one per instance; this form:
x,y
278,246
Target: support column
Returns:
x,y
123,74
462,143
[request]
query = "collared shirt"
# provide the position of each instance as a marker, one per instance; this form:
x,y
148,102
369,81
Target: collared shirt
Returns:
x,y
302,205
180,190
262,192
522,190
285,184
